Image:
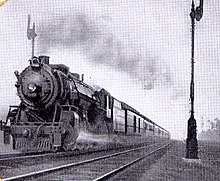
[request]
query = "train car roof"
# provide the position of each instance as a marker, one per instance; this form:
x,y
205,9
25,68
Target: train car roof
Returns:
x,y
147,119
127,107
103,91
161,127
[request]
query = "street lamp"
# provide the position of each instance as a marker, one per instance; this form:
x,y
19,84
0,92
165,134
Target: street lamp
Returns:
x,y
191,141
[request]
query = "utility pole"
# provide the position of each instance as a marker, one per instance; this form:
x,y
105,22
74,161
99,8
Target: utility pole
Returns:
x,y
191,141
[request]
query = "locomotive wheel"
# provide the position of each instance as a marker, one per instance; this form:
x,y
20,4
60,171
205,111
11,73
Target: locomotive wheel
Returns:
x,y
69,138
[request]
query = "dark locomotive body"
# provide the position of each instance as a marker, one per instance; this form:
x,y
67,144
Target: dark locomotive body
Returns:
x,y
56,106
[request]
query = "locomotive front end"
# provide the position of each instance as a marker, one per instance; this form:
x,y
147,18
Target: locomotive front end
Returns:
x,y
43,121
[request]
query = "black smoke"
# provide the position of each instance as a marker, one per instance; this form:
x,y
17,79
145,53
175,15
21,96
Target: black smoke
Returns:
x,y
93,38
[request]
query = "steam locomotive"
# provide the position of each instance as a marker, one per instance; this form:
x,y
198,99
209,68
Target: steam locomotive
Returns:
x,y
56,106
58,109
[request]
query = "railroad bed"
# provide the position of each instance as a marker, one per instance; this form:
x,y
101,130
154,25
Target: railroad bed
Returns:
x,y
98,165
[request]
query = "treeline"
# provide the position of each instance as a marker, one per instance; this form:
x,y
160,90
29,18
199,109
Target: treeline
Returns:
x,y
212,125
210,130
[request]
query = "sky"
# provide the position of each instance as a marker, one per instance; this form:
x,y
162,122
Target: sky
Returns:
x,y
137,50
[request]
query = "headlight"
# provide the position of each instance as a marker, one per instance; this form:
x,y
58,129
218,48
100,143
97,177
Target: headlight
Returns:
x,y
32,87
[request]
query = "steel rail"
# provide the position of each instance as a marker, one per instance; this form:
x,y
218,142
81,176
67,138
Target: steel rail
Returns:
x,y
17,157
45,171
121,168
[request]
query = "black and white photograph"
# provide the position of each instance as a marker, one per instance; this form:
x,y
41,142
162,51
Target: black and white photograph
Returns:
x,y
103,90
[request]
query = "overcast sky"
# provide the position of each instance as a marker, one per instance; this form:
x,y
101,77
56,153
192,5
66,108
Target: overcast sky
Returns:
x,y
137,50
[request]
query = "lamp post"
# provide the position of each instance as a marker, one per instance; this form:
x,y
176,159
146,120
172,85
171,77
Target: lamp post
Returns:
x,y
191,141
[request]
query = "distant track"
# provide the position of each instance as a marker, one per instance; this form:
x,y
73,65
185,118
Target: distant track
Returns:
x,y
41,173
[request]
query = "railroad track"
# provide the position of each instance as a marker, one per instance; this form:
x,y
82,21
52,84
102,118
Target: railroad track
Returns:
x,y
14,157
98,168
31,156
